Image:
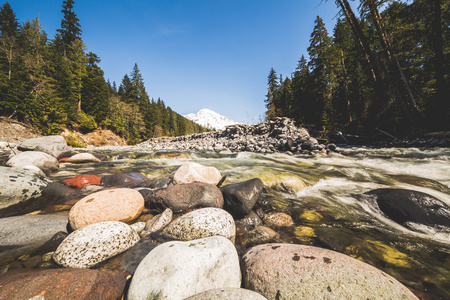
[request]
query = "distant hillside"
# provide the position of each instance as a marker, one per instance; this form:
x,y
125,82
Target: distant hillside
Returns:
x,y
210,119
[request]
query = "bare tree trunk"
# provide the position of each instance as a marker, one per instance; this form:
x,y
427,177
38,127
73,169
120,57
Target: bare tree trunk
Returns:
x,y
391,56
349,112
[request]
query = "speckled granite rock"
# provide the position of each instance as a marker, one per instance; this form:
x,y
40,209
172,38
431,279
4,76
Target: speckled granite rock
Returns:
x,y
193,172
95,243
43,161
22,191
124,205
176,270
83,158
202,223
227,293
287,271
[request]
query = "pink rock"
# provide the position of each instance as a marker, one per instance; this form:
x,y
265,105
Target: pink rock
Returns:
x,y
124,205
81,181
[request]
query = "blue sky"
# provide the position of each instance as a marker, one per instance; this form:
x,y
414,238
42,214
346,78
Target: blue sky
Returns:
x,y
194,54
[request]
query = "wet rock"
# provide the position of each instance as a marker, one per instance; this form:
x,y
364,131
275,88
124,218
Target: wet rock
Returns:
x,y
23,192
62,284
404,206
304,234
310,144
52,244
182,197
125,180
43,161
54,145
278,220
282,182
25,234
260,235
158,222
227,293
193,172
176,270
240,198
83,158
95,243
160,183
202,223
124,205
82,181
287,271
250,221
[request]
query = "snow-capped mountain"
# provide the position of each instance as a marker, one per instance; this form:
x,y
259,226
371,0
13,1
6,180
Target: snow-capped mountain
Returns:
x,y
210,119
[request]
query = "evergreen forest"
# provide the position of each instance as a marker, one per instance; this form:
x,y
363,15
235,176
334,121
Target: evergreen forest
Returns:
x,y
56,83
385,66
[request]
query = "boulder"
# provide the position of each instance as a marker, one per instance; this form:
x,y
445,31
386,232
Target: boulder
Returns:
x,y
193,172
260,235
54,145
288,271
176,270
25,234
22,191
62,284
95,243
83,158
403,206
250,221
182,197
43,161
286,183
202,223
125,180
239,198
124,205
82,181
158,222
227,293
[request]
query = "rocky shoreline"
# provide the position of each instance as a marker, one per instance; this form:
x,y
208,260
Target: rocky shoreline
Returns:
x,y
185,235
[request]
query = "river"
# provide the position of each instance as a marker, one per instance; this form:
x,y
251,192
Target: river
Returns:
x,y
331,209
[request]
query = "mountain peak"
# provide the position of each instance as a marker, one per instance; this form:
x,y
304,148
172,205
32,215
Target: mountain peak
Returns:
x,y
210,119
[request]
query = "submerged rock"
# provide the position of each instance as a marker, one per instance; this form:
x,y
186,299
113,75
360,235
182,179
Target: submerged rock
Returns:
x,y
278,220
404,206
62,284
202,223
124,205
286,271
176,270
125,180
182,197
95,243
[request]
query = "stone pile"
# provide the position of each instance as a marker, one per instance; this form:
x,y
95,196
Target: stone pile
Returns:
x,y
277,135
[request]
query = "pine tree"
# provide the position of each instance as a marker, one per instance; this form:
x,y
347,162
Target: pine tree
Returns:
x,y
271,96
70,27
9,31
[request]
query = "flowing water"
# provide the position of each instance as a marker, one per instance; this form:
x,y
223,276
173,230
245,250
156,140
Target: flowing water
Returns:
x,y
331,211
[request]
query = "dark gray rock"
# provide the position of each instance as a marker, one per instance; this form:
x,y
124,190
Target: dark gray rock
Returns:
x,y
25,234
23,192
54,145
403,206
182,197
240,198
125,180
